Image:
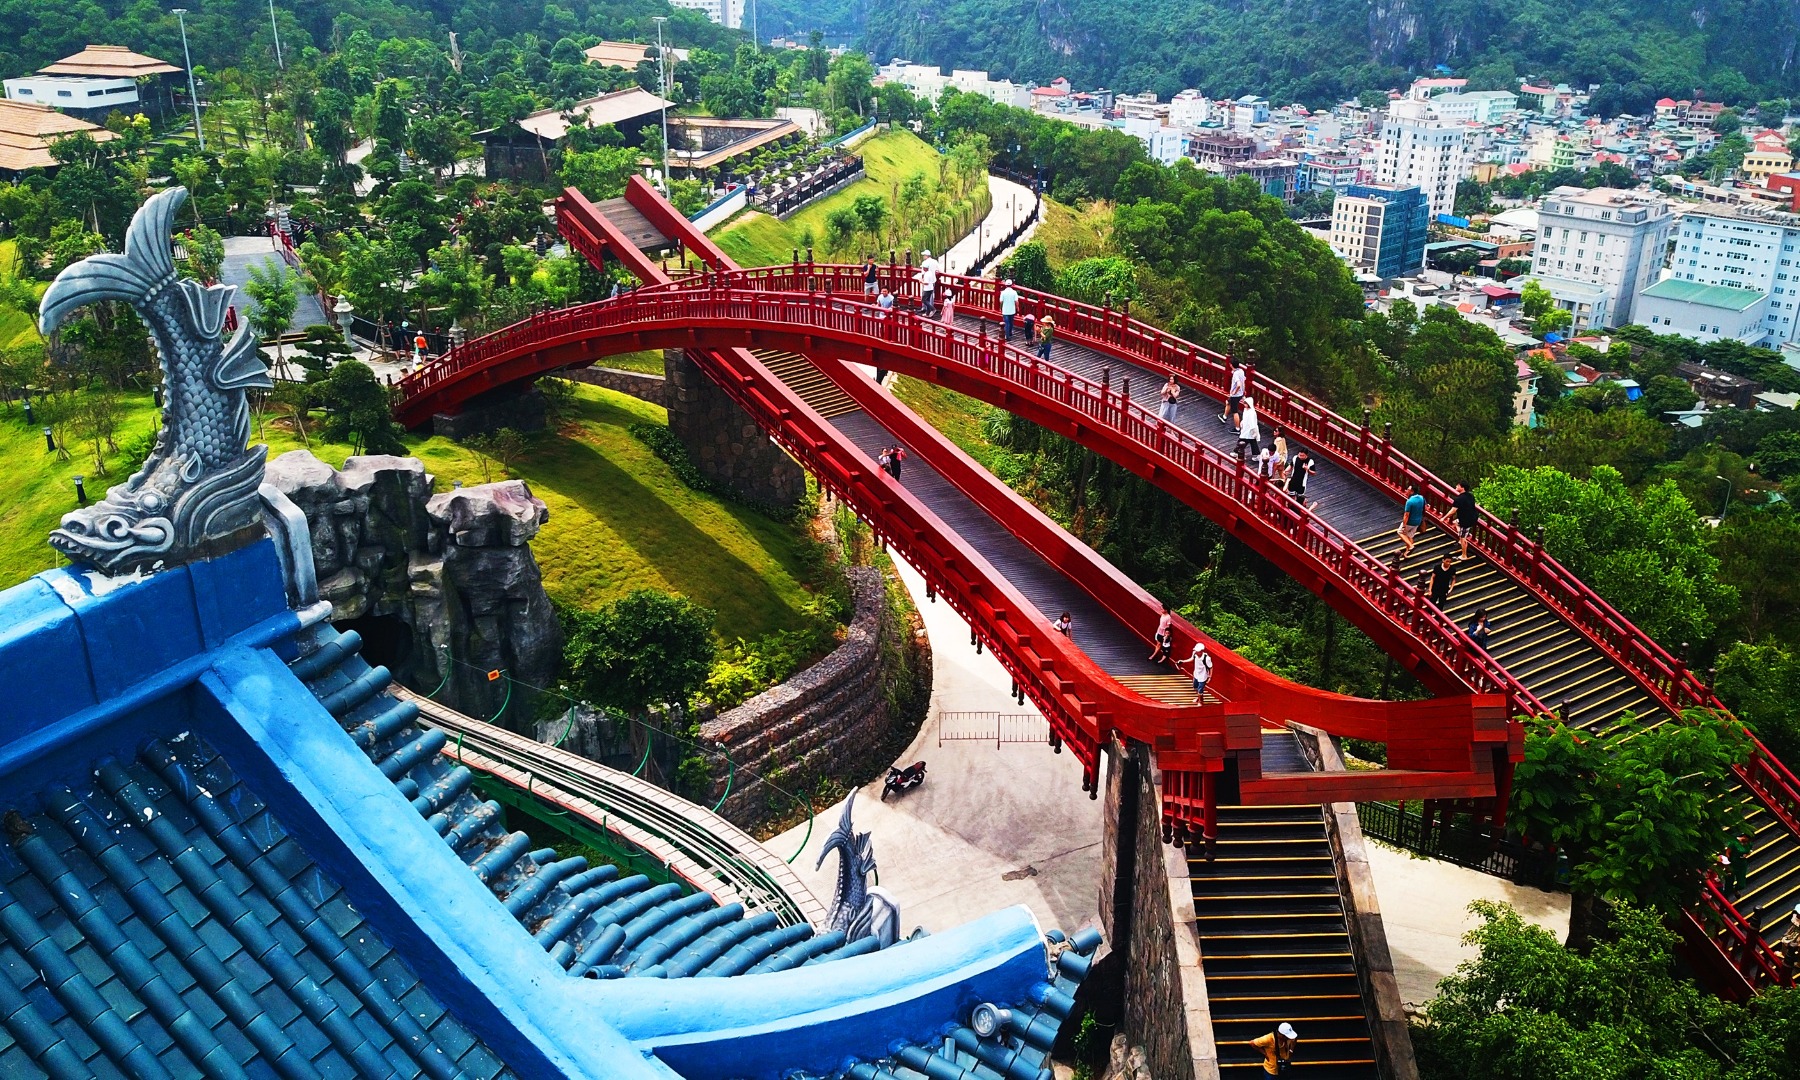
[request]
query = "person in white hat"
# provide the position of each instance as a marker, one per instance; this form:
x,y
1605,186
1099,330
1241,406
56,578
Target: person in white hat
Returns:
x,y
1202,663
928,275
1009,307
1277,1048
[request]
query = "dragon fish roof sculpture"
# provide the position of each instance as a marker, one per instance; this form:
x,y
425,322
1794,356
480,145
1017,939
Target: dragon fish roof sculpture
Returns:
x,y
197,492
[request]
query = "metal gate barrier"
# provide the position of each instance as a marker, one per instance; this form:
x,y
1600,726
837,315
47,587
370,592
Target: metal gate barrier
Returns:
x,y
994,727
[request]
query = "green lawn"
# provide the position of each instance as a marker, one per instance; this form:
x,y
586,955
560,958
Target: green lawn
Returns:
x,y
16,327
756,239
619,519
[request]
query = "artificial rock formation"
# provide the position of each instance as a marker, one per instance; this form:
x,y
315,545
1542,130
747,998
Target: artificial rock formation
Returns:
x,y
437,584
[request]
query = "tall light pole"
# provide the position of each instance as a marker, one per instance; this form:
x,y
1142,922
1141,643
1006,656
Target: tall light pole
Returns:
x,y
193,95
662,92
276,30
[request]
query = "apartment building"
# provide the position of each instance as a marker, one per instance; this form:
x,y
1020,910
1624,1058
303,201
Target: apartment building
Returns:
x,y
1421,149
1598,248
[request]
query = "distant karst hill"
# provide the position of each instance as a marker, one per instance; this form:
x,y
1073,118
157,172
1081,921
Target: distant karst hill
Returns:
x,y
1739,51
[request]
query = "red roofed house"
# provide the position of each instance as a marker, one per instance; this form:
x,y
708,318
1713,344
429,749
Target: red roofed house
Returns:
x,y
1670,109
1768,155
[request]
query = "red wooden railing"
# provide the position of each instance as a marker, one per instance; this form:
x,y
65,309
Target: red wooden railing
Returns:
x,y
1349,445
684,309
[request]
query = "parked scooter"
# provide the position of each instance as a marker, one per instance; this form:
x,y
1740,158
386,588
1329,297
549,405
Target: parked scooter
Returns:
x,y
903,780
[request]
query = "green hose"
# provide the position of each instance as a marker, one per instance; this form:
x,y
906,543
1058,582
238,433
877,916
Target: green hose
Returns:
x,y
648,742
730,774
505,701
567,730
808,837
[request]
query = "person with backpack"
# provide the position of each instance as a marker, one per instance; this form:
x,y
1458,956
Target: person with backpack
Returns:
x,y
1201,664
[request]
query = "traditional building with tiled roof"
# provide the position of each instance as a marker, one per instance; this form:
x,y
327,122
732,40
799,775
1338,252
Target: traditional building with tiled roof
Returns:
x,y
27,132
100,80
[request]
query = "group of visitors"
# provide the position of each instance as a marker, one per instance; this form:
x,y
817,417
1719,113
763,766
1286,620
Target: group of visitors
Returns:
x,y
890,459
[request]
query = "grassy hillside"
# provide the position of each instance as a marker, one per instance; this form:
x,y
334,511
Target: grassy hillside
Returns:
x,y
619,519
756,239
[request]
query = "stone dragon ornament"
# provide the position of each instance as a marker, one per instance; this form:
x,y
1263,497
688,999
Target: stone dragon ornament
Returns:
x,y
857,908
196,494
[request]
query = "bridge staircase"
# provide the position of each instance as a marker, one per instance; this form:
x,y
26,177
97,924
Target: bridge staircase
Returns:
x,y
1274,941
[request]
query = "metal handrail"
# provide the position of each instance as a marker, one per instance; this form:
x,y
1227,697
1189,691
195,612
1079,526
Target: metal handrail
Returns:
x,y
745,868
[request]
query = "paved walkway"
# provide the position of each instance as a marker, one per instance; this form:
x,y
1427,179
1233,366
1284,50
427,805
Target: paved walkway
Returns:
x,y
1011,202
1425,907
244,252
990,827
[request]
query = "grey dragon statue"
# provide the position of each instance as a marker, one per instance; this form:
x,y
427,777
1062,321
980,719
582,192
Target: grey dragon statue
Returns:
x,y
196,493
857,908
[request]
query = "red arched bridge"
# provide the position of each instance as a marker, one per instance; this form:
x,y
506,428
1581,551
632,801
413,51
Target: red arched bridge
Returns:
x,y
777,340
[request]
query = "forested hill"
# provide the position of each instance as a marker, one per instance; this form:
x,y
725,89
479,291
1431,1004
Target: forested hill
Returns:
x,y
1321,51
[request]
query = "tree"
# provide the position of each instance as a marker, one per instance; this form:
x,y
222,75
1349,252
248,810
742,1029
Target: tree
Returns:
x,y
357,410
1534,300
871,216
600,173
1666,393
437,141
319,349
1553,320
455,283
1107,280
1525,1006
203,253
1759,553
841,227
277,296
1778,455
644,649
1029,267
1761,686
1640,813
1648,554
503,446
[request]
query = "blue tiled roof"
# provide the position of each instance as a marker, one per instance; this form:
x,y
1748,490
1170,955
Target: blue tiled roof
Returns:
x,y
161,922
184,832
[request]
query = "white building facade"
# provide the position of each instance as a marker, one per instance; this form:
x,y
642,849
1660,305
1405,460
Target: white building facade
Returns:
x,y
1744,247
1597,249
724,12
74,91
1419,148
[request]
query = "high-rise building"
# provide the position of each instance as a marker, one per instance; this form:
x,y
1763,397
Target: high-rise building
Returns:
x,y
1744,247
724,12
1380,228
1597,249
1420,148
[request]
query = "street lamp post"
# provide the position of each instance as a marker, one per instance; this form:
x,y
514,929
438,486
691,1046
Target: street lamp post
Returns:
x,y
662,92
276,30
193,95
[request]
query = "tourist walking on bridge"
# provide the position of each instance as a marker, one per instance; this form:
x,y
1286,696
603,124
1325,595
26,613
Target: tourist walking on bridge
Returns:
x,y
1009,307
1046,333
1277,1048
871,276
1479,629
1164,637
1468,515
1412,518
1240,381
1300,466
1202,664
1171,399
1443,581
928,276
1249,434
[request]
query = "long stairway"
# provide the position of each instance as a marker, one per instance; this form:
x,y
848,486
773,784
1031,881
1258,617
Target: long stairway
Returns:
x,y
1567,673
1537,644
1273,938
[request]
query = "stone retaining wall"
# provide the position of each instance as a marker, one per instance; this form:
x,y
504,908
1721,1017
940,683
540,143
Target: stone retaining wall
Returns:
x,y
638,384
1147,914
724,443
825,721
